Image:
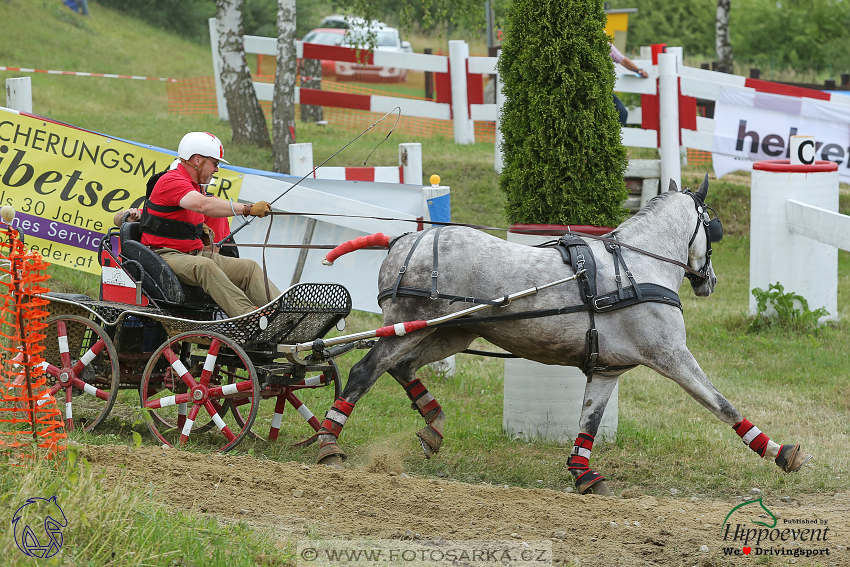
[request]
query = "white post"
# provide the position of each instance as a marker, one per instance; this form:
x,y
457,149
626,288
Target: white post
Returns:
x,y
19,94
668,104
410,160
776,252
216,57
300,159
498,162
464,128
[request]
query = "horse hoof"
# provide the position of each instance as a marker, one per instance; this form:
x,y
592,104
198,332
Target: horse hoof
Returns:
x,y
430,441
599,488
790,459
331,455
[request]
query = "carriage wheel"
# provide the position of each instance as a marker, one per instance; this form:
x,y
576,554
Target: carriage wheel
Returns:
x,y
200,389
165,385
309,391
81,359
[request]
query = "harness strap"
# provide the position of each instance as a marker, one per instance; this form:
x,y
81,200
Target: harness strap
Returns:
x,y
618,259
403,268
435,265
403,291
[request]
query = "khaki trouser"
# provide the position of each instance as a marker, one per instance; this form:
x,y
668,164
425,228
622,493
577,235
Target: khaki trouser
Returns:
x,y
236,284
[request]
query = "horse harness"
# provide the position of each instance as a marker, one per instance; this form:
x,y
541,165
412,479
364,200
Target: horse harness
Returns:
x,y
577,254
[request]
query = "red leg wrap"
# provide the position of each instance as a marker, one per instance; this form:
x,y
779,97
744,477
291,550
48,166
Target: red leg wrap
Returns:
x,y
422,399
580,455
752,436
336,417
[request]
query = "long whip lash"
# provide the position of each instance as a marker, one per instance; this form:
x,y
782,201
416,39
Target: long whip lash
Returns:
x,y
397,108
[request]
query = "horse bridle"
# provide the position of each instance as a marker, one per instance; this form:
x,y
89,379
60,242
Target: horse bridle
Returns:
x,y
713,233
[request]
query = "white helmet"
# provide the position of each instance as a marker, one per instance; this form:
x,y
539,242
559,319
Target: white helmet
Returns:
x,y
203,144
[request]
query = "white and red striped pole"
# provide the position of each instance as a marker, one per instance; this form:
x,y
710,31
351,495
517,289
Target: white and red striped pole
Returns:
x,y
401,329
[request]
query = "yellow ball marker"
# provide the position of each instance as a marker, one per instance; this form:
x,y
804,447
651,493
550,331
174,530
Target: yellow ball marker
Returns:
x,y
435,179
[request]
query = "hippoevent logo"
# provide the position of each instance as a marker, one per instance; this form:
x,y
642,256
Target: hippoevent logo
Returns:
x,y
38,527
772,538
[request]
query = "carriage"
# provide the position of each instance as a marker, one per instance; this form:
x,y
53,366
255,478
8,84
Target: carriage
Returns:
x,y
197,372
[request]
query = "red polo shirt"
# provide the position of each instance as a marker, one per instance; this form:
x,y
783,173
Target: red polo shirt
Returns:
x,y
168,191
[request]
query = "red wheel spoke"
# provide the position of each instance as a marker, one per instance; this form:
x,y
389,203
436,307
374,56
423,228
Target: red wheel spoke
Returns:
x,y
178,367
90,355
277,418
219,422
181,414
52,370
303,410
190,421
169,401
209,363
62,332
91,390
230,389
69,412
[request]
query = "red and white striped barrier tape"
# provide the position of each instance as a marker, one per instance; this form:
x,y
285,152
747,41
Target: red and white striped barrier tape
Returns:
x,y
83,74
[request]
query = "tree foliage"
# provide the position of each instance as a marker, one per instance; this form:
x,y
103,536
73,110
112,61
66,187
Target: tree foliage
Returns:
x,y
802,34
185,17
563,157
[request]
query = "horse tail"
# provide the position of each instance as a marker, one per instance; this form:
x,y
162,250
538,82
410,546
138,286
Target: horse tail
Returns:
x,y
378,239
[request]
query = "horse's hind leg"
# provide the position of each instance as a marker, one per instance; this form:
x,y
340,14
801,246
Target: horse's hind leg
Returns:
x,y
682,367
436,347
361,378
596,396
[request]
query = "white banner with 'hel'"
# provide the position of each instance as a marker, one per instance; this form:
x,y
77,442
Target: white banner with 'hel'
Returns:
x,y
750,126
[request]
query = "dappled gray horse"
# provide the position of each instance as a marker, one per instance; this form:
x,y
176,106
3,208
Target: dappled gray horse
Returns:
x,y
674,226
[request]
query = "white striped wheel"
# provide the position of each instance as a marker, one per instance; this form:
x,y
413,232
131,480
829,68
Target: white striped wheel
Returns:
x,y
311,394
193,390
80,358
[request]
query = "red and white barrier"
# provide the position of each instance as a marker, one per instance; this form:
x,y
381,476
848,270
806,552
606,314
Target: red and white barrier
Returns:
x,y
409,169
458,79
85,74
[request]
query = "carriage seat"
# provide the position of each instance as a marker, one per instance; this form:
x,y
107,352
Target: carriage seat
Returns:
x,y
159,282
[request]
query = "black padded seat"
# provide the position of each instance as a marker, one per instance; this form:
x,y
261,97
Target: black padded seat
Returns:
x,y
160,282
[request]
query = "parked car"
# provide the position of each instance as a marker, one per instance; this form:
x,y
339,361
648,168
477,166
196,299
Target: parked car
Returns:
x,y
386,39
326,36
344,22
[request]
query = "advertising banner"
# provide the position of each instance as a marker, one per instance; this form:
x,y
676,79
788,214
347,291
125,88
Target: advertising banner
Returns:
x,y
751,126
66,184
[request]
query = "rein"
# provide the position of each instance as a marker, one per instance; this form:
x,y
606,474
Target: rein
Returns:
x,y
686,267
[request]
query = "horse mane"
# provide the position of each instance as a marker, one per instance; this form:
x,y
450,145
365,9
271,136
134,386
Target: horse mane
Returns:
x,y
655,203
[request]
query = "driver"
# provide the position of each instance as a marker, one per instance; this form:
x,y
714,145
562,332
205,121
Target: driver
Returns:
x,y
172,226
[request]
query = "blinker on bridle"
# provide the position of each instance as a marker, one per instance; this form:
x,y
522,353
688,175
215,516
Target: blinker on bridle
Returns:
x,y
713,233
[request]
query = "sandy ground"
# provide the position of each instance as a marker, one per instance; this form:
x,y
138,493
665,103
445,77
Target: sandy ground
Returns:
x,y
295,501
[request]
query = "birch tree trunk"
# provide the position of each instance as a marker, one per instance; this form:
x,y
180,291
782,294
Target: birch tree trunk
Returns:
x,y
722,43
283,105
247,122
311,78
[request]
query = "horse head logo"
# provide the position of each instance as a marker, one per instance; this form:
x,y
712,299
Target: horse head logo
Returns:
x,y
44,513
763,507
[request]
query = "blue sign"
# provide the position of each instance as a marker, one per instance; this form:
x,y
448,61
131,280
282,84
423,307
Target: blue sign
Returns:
x,y
38,527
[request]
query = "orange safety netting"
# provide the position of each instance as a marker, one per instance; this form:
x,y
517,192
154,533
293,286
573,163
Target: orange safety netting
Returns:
x,y
29,415
196,96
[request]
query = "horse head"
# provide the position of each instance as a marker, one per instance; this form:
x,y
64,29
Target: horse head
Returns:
x,y
699,246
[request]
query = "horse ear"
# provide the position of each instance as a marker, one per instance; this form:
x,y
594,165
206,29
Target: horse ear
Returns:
x,y
673,186
703,189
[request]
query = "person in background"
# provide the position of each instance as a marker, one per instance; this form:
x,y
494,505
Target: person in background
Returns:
x,y
618,57
172,223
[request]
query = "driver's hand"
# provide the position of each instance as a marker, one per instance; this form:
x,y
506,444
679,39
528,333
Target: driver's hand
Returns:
x,y
260,209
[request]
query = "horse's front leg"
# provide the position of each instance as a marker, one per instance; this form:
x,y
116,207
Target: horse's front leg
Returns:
x,y
596,395
682,367
361,378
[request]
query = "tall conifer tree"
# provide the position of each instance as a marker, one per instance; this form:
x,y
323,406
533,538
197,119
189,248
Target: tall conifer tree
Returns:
x,y
563,157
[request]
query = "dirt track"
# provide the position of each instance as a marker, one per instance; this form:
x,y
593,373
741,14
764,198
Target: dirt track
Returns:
x,y
292,500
